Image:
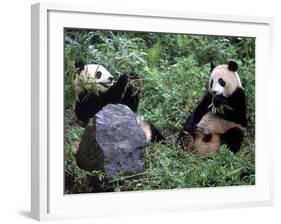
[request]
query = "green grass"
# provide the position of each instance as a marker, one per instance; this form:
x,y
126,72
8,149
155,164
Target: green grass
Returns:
x,y
174,71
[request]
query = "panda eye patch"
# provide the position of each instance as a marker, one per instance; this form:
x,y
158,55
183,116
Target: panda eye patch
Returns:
x,y
221,82
98,74
211,84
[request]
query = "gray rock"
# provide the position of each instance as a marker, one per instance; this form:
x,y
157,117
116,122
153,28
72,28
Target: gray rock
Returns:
x,y
112,142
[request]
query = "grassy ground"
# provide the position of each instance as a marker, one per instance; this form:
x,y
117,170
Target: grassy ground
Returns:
x,y
173,70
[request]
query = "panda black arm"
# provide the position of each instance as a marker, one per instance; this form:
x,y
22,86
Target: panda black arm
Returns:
x,y
114,93
202,108
237,101
219,100
131,98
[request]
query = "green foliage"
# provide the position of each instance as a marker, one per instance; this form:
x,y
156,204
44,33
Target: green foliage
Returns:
x,y
154,54
167,168
173,72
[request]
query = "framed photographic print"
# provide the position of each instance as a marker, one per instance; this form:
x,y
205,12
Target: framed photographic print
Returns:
x,y
138,111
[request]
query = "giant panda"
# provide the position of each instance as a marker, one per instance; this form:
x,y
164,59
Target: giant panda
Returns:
x,y
220,117
95,88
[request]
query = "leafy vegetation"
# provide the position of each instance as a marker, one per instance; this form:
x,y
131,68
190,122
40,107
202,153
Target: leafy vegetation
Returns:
x,y
173,72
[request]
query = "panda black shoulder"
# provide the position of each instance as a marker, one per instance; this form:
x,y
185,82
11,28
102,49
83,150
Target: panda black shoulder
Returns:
x,y
237,97
237,102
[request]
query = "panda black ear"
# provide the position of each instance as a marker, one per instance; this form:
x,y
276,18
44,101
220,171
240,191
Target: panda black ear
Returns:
x,y
212,66
79,65
232,66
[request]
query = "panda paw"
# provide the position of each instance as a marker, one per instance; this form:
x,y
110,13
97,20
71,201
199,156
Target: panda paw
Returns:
x,y
191,128
216,101
122,81
219,100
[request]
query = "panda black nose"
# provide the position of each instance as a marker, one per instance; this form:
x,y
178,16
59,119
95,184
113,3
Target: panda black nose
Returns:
x,y
214,92
110,79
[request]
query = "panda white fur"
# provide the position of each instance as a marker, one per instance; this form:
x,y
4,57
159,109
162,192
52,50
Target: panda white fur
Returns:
x,y
220,117
89,76
95,88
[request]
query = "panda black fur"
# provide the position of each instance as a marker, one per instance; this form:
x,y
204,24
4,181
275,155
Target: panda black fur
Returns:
x,y
204,131
95,88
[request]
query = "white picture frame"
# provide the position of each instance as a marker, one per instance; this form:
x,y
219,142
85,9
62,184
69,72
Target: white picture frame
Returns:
x,y
48,200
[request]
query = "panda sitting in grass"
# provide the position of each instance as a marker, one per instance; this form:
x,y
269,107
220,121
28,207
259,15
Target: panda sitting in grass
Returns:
x,y
95,88
220,117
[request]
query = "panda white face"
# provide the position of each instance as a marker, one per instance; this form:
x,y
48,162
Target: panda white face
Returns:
x,y
93,76
224,80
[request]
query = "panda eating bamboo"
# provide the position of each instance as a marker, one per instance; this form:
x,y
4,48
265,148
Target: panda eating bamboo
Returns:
x,y
95,88
220,117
